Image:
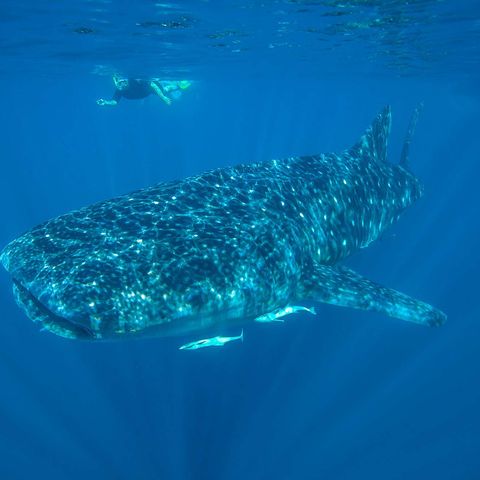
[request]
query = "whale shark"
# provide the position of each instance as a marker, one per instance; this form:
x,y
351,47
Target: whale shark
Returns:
x,y
220,249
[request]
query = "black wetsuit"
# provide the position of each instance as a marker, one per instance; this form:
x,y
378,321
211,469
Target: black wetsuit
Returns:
x,y
135,89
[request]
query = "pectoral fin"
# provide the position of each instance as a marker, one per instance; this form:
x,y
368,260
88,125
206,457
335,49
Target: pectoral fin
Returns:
x,y
344,287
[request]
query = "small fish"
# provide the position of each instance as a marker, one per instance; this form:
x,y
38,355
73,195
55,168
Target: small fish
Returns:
x,y
277,314
210,342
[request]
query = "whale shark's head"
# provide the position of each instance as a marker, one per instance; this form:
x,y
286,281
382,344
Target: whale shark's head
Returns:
x,y
94,293
49,291
48,319
71,286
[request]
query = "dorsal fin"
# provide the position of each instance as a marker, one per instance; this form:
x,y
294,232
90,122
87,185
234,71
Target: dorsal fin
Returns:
x,y
373,142
408,138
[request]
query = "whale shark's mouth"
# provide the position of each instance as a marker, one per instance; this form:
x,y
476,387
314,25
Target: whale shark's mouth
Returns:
x,y
41,314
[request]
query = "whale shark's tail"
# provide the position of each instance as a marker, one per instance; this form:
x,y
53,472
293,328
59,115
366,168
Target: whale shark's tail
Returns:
x,y
404,161
341,286
374,142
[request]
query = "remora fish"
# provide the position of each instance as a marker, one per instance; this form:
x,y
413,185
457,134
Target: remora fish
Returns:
x,y
211,342
278,314
220,248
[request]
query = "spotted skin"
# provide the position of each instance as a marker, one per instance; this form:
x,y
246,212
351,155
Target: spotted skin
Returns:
x,y
221,248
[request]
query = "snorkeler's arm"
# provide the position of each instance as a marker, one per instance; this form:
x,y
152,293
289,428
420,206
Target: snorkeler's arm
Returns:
x,y
110,103
106,103
160,93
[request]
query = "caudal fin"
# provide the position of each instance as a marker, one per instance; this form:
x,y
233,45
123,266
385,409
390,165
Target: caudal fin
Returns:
x,y
404,161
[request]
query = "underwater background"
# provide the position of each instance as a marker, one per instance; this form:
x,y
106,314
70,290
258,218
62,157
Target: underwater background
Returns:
x,y
343,395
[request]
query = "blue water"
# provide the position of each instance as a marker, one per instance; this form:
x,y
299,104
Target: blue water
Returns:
x,y
343,395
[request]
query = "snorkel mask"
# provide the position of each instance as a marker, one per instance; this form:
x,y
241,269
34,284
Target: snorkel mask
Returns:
x,y
120,82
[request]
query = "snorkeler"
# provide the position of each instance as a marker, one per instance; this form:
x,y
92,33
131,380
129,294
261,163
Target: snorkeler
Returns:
x,y
137,88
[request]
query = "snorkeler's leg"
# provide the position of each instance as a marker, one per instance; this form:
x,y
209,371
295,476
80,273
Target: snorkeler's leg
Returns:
x,y
158,90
